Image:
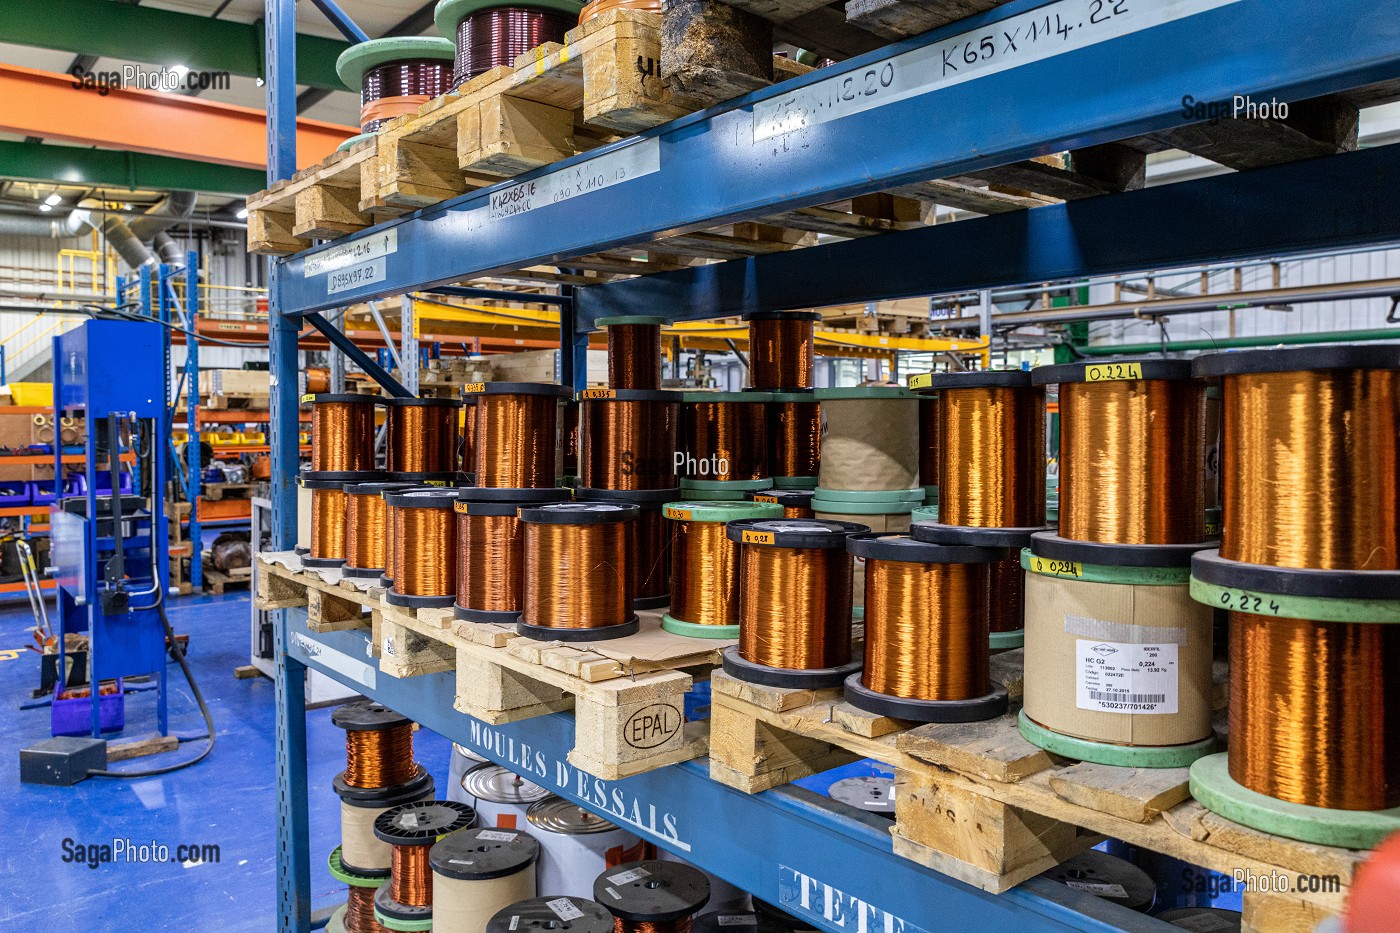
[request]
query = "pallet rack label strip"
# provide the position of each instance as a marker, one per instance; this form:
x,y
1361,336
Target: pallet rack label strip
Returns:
x,y
307,650
612,168
352,254
1047,31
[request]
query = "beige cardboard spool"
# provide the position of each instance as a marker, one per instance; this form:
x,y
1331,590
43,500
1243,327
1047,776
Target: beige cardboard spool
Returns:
x,y
468,905
478,872
303,517
359,846
870,442
895,522
1083,635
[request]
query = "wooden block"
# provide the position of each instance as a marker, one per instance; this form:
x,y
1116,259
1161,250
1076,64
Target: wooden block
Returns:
x,y
1005,844
155,745
326,612
1009,669
484,633
1084,173
896,19
1195,822
1270,912
755,755
550,74
325,212
246,672
776,699
275,591
1137,794
993,749
624,84
488,687
631,732
406,653
712,52
692,745
514,136
860,722
272,233
1323,126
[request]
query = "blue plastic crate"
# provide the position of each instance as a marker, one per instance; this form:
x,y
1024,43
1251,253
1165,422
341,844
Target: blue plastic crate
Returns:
x,y
74,716
14,493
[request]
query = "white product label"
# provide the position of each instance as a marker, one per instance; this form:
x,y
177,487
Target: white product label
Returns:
x,y
410,819
737,920
627,877
604,171
389,645
337,661
368,273
515,921
352,254
564,908
1118,677
890,794
1098,888
1039,34
495,835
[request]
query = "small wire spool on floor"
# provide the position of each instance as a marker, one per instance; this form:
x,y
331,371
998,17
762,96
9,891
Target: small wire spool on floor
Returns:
x,y
782,349
652,896
494,34
796,503
395,75
478,872
705,566
367,528
991,465
1311,436
578,844
577,580
1108,877
422,439
926,635
1213,919
328,504
723,437
425,548
1123,654
548,913
634,351
651,547
490,551
628,438
357,916
380,773
342,433
794,603
1006,585
794,439
517,434
1132,451
406,900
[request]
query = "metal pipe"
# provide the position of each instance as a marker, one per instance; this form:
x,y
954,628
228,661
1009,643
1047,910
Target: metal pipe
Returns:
x,y
1231,343
173,208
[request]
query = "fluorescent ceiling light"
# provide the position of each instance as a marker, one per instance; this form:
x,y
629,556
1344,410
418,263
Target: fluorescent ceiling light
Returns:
x,y
53,199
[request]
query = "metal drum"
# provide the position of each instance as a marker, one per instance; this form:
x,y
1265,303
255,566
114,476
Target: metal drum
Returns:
x,y
577,846
461,761
501,797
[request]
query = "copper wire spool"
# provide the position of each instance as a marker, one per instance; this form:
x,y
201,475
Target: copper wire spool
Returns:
x,y
396,88
517,427
342,433
425,548
578,581
1310,456
650,553
367,528
410,880
628,439
496,37
1006,594
795,503
390,551
467,441
930,439
379,757
781,349
634,347
568,411
794,594
925,619
1132,451
490,550
327,523
679,925
724,436
705,564
411,829
422,439
795,434
599,7
359,912
1314,708
652,896
991,466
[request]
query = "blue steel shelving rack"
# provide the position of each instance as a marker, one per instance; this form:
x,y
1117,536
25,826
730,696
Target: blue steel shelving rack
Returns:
x,y
933,106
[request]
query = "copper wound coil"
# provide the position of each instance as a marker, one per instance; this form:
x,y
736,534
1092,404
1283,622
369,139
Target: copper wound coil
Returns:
x,y
328,524
342,433
634,351
496,37
930,439
628,439
1132,452
359,911
391,567
704,562
652,555
410,876
490,549
425,543
1006,595
991,466
795,435
724,436
379,757
467,442
1314,708
517,434
599,7
422,436
781,349
397,88
577,572
368,532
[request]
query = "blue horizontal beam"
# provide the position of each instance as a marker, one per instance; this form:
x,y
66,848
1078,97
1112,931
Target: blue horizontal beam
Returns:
x,y
779,845
721,165
1334,202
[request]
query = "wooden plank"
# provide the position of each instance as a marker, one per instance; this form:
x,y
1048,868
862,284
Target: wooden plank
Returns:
x,y
712,52
246,672
896,19
967,196
993,749
1084,173
154,745
1323,126
1136,794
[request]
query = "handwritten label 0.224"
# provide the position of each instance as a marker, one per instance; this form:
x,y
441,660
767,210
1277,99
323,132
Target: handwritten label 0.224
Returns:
x,y
604,171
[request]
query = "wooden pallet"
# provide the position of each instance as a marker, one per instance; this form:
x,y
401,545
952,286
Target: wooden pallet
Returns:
x,y
978,802
216,580
333,602
319,202
217,491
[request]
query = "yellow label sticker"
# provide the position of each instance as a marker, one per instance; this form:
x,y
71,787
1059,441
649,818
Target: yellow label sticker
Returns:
x,y
460,507
678,514
1212,529
1112,372
1056,568
434,482
758,537
598,393
921,381
474,387
765,498
308,398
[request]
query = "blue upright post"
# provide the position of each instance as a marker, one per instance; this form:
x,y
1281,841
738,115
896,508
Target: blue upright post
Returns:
x,y
573,345
194,466
293,829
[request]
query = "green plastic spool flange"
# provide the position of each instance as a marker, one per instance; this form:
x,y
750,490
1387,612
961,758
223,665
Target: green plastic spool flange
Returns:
x,y
1104,753
793,396
1005,641
907,497
339,873
864,392
1212,785
794,482
927,513
404,926
358,59
1101,573
336,924
749,396
694,630
827,507
740,486
722,511
353,141
1312,608
649,319
858,613
449,13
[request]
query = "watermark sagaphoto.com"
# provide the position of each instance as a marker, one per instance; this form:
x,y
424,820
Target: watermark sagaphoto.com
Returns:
x,y
121,851
174,79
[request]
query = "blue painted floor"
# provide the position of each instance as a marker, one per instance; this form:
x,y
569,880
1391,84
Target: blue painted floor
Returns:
x,y
226,800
